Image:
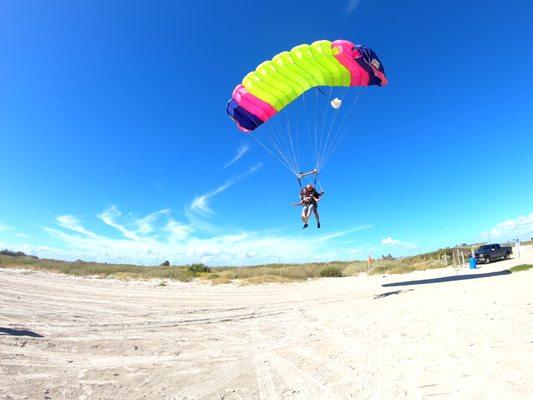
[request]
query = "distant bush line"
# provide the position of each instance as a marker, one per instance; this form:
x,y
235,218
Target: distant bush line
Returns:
x,y
219,275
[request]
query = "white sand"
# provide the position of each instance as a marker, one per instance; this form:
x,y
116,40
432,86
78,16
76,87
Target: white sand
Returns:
x,y
337,338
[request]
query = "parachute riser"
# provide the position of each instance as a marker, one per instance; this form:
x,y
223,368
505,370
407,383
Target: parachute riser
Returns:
x,y
314,172
300,175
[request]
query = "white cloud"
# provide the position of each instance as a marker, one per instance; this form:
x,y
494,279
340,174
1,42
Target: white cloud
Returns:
x,y
241,151
344,233
71,223
12,231
520,227
200,204
177,231
183,242
109,217
352,5
389,241
146,224
4,227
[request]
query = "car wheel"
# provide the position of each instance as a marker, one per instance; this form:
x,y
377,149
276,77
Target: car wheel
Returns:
x,y
507,256
487,260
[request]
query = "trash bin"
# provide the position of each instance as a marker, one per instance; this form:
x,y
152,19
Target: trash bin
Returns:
x,y
473,263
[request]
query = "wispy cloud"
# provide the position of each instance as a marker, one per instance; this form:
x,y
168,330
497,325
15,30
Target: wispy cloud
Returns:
x,y
110,216
22,235
11,231
182,242
389,241
241,151
71,223
338,234
4,227
352,5
520,227
200,204
146,224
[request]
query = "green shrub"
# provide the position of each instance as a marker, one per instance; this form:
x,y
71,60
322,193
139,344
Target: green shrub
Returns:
x,y
199,267
523,267
331,271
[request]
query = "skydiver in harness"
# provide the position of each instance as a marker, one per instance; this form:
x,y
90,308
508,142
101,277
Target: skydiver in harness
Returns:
x,y
309,198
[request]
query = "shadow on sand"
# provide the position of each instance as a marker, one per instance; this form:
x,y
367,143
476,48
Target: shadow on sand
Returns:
x,y
18,332
386,294
448,279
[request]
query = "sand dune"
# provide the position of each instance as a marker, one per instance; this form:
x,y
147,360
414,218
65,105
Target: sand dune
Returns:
x,y
424,335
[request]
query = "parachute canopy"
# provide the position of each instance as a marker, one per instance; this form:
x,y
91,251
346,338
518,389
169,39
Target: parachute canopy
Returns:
x,y
276,83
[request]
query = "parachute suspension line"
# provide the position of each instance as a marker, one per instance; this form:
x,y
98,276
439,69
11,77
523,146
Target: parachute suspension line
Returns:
x,y
317,182
279,142
316,125
344,134
282,139
320,146
331,126
276,139
343,129
320,161
320,90
307,119
286,142
349,113
353,123
272,153
297,129
289,131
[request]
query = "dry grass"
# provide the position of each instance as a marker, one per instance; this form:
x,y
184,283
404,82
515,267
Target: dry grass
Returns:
x,y
222,275
118,271
265,279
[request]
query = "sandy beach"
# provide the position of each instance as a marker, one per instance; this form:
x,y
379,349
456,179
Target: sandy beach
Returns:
x,y
437,334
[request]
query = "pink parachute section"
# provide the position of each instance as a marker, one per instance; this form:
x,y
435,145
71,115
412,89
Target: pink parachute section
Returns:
x,y
252,104
346,56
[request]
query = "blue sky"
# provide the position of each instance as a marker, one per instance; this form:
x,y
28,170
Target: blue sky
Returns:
x,y
115,145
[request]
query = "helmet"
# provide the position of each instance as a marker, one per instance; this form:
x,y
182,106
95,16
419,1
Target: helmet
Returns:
x,y
309,186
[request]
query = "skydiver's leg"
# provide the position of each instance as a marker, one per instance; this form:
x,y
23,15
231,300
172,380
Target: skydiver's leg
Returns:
x,y
317,216
310,209
305,215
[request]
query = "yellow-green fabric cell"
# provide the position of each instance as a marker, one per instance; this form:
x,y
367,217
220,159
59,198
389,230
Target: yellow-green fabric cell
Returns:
x,y
286,65
255,86
297,83
310,55
268,73
322,51
303,57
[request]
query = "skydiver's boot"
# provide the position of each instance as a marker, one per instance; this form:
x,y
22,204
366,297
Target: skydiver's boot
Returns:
x,y
305,225
318,225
